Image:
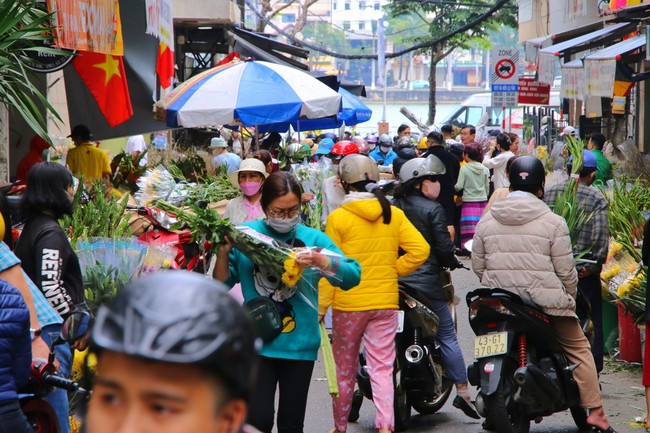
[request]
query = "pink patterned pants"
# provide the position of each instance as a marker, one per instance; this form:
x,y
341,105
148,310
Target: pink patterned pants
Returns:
x,y
377,329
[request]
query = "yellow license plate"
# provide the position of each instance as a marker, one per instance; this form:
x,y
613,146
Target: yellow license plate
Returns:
x,y
491,345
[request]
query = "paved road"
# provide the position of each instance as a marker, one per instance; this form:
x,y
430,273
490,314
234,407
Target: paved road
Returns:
x,y
622,400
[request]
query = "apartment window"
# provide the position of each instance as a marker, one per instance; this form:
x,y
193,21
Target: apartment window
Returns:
x,y
346,25
334,5
289,18
362,25
362,5
377,6
347,6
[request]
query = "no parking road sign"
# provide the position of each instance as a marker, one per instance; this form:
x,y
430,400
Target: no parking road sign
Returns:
x,y
504,78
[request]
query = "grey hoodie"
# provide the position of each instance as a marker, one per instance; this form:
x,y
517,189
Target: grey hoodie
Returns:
x,y
523,247
474,180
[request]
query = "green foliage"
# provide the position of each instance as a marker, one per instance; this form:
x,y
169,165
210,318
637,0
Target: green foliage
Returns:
x,y
324,34
22,25
100,216
624,217
443,17
101,283
566,201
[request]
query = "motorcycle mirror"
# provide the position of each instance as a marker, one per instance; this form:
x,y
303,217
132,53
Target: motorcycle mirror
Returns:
x,y
468,244
74,327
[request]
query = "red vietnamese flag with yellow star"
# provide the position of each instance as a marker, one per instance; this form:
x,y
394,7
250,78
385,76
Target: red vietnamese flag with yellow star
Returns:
x,y
105,78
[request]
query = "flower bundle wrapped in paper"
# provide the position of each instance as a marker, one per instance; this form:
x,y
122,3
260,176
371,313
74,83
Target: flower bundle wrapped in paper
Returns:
x,y
263,250
107,265
159,184
312,177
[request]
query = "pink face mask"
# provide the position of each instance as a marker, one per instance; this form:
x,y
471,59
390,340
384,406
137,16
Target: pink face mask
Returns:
x,y
431,190
250,188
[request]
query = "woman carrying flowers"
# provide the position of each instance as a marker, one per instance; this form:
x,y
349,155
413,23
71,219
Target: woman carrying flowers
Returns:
x,y
249,178
372,231
288,359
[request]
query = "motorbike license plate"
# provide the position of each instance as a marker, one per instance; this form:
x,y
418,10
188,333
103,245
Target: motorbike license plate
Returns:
x,y
400,321
490,345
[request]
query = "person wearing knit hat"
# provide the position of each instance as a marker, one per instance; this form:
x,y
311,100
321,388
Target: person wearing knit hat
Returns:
x,y
223,158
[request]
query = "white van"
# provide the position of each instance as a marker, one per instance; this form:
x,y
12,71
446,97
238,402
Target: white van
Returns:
x,y
471,110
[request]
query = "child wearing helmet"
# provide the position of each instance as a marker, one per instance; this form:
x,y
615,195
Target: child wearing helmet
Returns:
x,y
366,227
175,353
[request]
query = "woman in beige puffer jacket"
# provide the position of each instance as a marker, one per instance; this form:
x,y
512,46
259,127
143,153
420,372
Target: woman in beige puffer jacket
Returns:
x,y
523,247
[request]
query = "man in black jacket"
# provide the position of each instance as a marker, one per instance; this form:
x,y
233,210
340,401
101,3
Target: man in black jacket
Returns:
x,y
447,180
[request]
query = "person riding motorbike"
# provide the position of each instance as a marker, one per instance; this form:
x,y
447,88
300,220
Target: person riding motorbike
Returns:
x,y
523,247
416,197
175,353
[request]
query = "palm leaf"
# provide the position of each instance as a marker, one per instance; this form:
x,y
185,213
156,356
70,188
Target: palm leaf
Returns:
x,y
22,24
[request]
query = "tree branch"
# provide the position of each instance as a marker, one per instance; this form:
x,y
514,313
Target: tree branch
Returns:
x,y
426,44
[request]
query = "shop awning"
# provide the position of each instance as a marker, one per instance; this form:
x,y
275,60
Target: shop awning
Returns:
x,y
260,47
532,47
584,42
600,66
615,51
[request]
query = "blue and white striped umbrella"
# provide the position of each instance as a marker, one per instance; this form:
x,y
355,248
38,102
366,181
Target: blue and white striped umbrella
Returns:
x,y
248,93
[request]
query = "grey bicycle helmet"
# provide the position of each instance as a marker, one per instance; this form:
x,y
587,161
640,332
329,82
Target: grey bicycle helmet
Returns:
x,y
384,140
358,168
181,317
421,167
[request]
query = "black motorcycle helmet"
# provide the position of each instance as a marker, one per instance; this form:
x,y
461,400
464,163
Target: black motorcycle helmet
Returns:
x,y
527,172
181,317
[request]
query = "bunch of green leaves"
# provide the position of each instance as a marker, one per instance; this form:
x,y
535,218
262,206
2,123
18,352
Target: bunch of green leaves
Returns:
x,y
95,214
624,217
205,224
191,167
22,26
566,201
101,283
212,188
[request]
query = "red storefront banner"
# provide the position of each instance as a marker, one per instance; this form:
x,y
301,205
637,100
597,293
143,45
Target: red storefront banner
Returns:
x,y
87,25
533,92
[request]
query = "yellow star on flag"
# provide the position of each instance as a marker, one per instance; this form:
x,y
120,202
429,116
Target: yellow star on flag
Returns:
x,y
111,67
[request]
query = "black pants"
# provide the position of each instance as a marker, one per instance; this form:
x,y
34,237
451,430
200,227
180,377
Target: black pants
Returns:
x,y
294,378
591,287
12,419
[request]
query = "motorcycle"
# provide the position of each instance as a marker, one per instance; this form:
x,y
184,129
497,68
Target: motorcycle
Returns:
x,y
418,375
39,413
520,370
155,226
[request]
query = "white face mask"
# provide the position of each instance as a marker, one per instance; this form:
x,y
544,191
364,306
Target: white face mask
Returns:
x,y
430,189
283,225
385,149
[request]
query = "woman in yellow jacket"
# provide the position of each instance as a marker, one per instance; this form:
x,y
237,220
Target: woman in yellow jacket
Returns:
x,y
367,228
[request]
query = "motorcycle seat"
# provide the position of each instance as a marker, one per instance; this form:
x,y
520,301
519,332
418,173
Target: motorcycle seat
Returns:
x,y
417,294
501,293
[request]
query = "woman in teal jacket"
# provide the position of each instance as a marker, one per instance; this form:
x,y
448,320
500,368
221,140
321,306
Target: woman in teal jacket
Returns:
x,y
288,359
